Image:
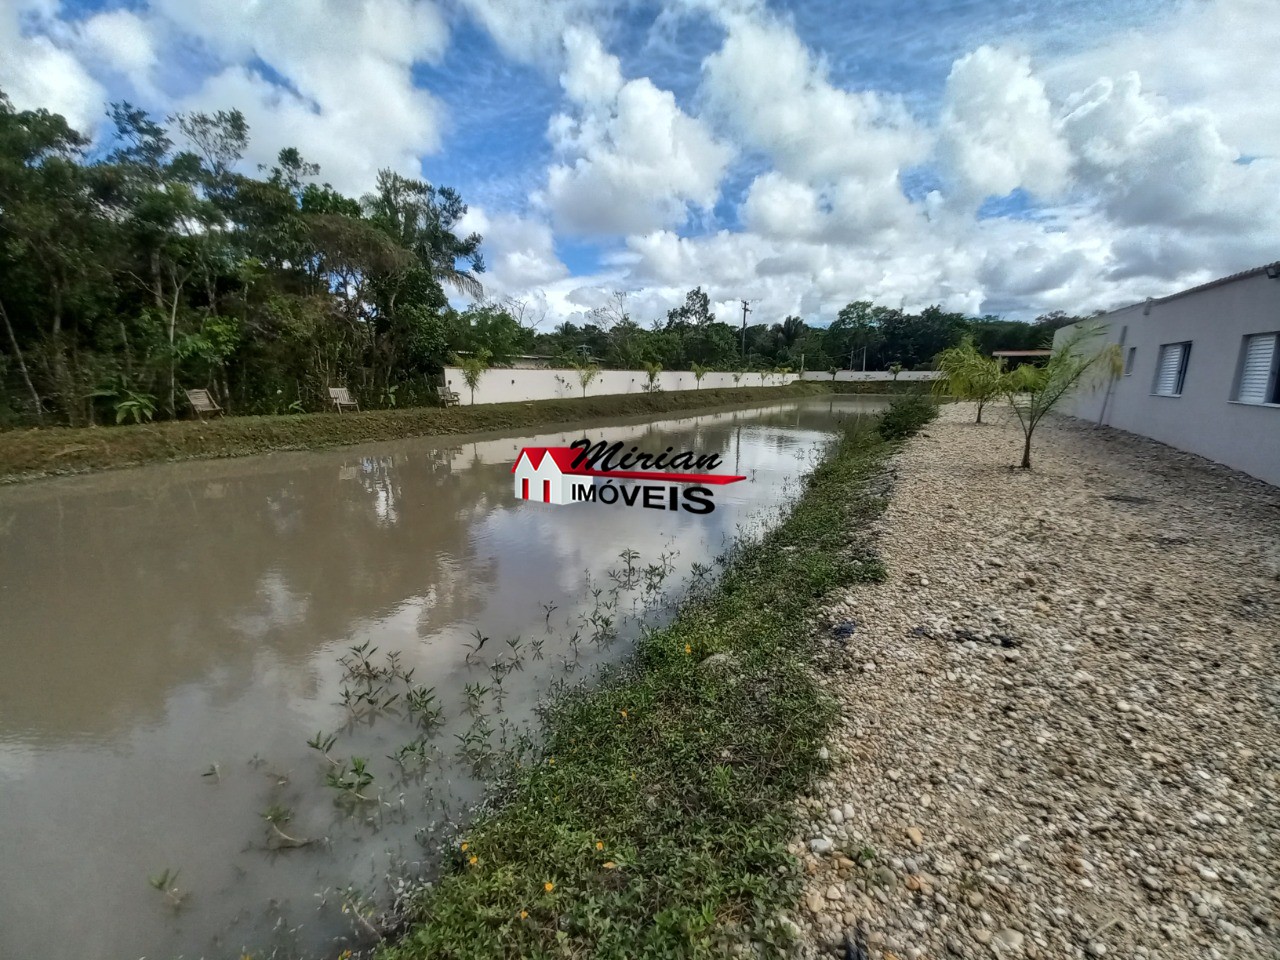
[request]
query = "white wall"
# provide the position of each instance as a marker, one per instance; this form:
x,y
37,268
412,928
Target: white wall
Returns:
x,y
500,385
1204,419
844,376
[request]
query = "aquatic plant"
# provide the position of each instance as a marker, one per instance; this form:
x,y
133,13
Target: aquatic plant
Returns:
x,y
323,743
474,648
417,752
422,706
351,782
166,881
276,816
475,693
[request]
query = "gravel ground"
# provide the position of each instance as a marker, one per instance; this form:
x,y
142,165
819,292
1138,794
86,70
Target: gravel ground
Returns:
x,y
1059,732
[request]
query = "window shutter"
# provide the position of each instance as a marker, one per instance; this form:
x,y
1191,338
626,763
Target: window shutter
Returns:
x,y
1167,375
1255,373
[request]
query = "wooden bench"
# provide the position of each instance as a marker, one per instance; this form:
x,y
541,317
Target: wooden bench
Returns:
x,y
202,402
450,398
341,398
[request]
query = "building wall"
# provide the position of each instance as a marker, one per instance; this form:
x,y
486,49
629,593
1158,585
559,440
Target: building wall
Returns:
x,y
1204,419
502,385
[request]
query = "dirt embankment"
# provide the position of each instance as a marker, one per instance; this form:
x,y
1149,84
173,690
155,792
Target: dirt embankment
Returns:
x,y
30,454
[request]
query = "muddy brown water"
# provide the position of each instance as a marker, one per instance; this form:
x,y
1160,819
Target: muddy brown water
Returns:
x,y
171,638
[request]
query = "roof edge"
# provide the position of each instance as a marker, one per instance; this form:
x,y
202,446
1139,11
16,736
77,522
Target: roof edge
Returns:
x,y
1207,285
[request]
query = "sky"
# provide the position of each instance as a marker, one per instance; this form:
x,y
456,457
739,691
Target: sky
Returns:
x,y
1007,157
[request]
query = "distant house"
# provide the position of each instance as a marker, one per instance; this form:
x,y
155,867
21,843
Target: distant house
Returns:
x,y
543,474
1015,358
1200,371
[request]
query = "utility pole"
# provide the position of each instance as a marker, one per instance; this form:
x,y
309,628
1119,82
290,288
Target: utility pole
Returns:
x,y
745,310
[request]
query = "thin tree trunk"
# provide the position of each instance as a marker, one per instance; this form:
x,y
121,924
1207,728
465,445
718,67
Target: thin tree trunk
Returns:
x,y
22,364
981,404
1026,452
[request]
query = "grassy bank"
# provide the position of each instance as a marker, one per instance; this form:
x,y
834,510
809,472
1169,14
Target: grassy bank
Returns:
x,y
877,387
656,820
27,454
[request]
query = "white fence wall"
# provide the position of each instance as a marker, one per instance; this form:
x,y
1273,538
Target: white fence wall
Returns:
x,y
864,375
499,385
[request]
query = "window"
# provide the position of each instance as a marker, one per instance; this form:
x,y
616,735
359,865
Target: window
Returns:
x,y
1128,360
1171,369
1257,382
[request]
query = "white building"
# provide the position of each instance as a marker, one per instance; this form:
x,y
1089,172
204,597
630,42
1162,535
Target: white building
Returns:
x,y
1200,372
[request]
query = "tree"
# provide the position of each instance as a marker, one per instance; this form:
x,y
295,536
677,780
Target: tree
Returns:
x,y
969,375
694,312
895,368
586,373
473,368
652,371
699,371
1078,360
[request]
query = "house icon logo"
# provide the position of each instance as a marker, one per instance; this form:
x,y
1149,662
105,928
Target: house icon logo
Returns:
x,y
597,473
546,474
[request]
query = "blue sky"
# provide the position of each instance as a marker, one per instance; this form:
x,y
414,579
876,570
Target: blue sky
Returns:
x,y
990,156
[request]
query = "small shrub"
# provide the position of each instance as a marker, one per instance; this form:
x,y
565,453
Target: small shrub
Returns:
x,y
906,416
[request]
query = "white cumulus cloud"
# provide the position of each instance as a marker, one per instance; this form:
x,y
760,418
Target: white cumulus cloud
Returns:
x,y
630,159
997,131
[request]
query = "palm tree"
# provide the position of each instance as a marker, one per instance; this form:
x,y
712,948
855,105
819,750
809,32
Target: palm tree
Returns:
x,y
1034,391
968,375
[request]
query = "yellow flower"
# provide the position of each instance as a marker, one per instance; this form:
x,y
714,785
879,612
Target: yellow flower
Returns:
x,y
688,649
473,860
524,914
599,844
609,864
548,886
464,846
551,761
624,714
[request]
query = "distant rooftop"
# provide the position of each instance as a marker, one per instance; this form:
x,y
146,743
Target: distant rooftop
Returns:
x,y
1021,353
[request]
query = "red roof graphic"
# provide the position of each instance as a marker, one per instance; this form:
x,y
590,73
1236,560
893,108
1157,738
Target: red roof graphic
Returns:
x,y
563,458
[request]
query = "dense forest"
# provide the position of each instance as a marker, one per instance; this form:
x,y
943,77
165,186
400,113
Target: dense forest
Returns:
x,y
150,262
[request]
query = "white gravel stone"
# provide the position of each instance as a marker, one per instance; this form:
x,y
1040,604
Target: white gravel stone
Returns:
x,y
1070,737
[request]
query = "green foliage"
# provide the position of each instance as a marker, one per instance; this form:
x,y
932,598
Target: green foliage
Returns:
x,y
138,407
1080,360
473,368
587,372
699,371
968,375
906,416
652,371
659,810
151,263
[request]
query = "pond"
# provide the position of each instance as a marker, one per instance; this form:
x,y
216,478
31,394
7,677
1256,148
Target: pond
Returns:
x,y
173,637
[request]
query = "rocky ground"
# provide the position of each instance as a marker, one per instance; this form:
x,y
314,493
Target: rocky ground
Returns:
x,y
1060,732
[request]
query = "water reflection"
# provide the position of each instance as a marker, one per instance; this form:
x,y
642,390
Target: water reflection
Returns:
x,y
162,623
